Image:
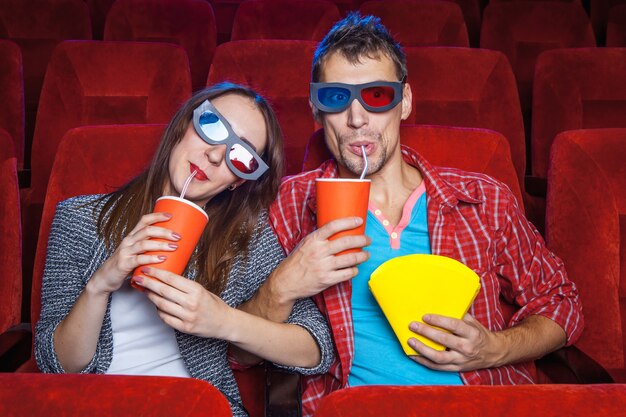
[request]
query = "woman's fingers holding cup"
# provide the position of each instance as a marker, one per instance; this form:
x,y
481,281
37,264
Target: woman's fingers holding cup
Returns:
x,y
150,218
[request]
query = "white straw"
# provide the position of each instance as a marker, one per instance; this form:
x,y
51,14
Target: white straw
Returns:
x,y
189,178
364,159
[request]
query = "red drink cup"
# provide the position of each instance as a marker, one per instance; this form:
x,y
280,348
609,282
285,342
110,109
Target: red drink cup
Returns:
x,y
342,197
188,220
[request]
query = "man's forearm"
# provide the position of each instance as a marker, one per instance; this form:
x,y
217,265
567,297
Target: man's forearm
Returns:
x,y
269,303
532,338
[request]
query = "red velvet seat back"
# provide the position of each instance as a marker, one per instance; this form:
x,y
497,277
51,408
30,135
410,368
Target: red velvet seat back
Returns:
x,y
10,239
284,19
522,30
582,88
37,26
586,227
468,88
109,395
476,150
188,23
99,83
487,401
280,71
616,27
420,23
12,98
91,160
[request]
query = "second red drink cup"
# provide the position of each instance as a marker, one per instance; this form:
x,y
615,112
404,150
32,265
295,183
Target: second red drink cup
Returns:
x,y
342,197
188,220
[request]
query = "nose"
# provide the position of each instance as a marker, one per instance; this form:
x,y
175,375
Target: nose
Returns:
x,y
215,154
358,116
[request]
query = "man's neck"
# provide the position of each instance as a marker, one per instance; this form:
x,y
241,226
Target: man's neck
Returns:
x,y
392,186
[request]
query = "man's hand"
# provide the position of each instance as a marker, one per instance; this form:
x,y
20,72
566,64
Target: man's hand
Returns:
x,y
314,265
470,344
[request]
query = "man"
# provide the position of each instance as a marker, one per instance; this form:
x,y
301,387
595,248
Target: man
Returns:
x,y
414,208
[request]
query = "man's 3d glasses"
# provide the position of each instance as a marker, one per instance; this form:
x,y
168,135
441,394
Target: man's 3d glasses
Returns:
x,y
377,96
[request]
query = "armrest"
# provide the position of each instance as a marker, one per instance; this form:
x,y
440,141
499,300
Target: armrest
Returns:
x,y
283,393
15,347
570,365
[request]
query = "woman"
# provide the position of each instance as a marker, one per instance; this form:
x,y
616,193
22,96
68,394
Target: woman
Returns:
x,y
93,321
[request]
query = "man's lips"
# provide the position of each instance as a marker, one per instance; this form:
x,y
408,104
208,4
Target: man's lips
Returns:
x,y
200,175
355,148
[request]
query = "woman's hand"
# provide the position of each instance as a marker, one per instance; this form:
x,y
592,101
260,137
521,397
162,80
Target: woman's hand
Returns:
x,y
131,253
186,305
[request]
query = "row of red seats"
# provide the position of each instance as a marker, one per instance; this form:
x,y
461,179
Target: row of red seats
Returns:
x,y
127,396
113,83
519,29
586,211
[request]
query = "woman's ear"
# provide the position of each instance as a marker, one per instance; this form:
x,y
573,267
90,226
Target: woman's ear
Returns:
x,y
407,101
236,184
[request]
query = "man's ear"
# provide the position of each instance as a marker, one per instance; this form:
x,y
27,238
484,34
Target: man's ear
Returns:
x,y
316,113
407,101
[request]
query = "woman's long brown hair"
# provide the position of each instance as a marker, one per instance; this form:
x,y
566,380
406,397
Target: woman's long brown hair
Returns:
x,y
232,215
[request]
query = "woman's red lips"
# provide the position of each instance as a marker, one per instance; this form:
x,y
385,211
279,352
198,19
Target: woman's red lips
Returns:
x,y
200,175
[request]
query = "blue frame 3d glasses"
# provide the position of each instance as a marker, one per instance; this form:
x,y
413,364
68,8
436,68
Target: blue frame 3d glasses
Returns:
x,y
214,129
377,96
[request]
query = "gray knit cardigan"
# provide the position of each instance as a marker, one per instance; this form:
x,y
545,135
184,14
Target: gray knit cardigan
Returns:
x,y
75,252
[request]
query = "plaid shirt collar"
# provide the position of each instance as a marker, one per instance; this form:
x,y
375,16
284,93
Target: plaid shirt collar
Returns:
x,y
437,189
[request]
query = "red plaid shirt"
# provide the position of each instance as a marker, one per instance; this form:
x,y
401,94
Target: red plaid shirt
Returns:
x,y
471,218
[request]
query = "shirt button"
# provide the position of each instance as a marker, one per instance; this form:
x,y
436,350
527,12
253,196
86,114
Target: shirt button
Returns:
x,y
385,222
394,235
377,212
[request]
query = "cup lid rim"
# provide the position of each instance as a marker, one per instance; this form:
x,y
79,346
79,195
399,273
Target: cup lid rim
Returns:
x,y
344,179
184,200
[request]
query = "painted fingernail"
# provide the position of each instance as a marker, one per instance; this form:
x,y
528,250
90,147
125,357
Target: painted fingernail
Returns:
x,y
168,215
145,270
138,279
173,245
176,236
162,257
426,317
414,326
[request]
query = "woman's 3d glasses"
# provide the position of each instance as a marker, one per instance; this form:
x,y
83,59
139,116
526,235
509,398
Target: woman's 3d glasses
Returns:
x,y
377,97
214,129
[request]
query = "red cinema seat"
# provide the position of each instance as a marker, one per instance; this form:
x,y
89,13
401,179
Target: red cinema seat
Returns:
x,y
12,99
487,401
581,88
616,27
98,83
108,395
91,160
420,22
522,30
586,228
188,23
467,88
37,26
284,19
475,150
279,70
10,239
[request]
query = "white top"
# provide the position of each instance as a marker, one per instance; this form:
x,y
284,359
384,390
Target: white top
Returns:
x,y
142,343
